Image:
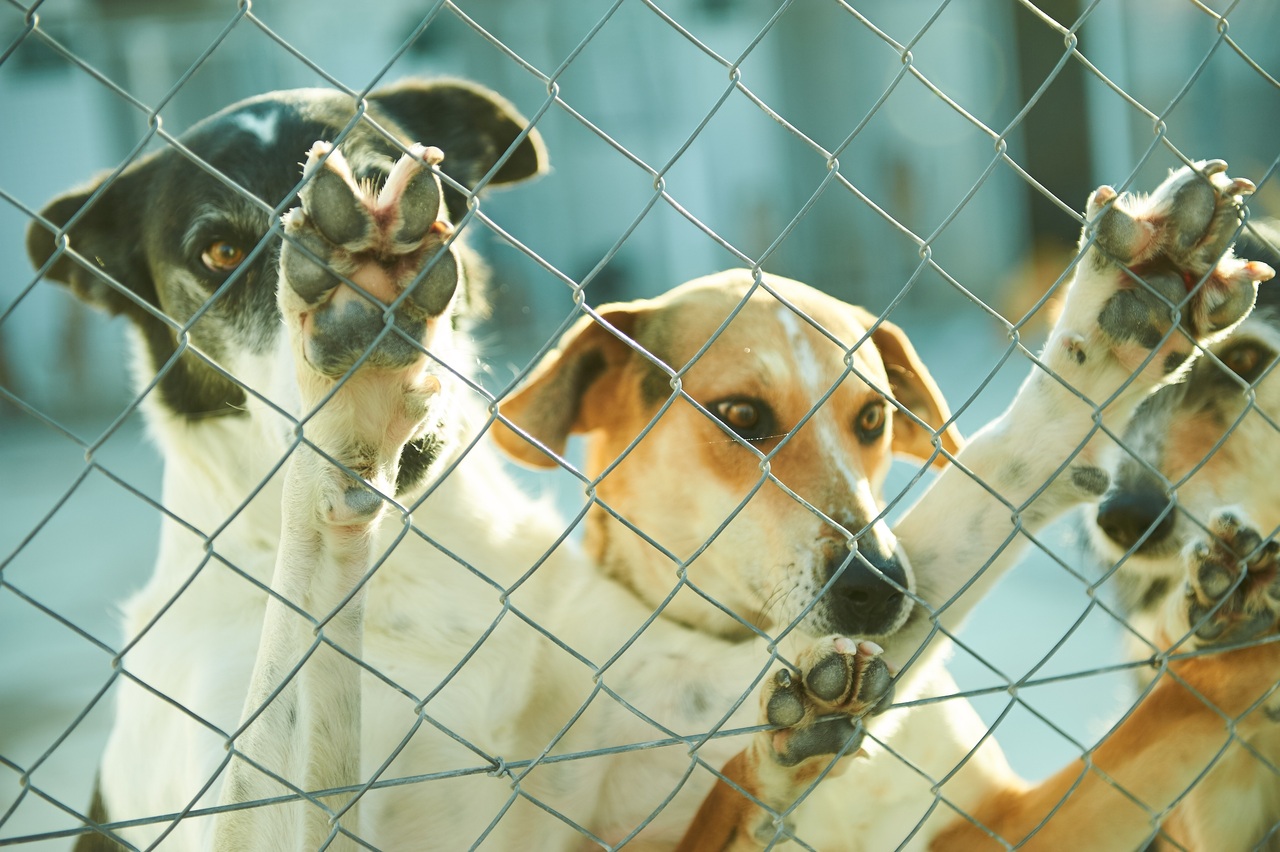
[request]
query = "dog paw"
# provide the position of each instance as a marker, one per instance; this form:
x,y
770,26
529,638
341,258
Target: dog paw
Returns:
x,y
350,252
838,677
1233,587
1155,262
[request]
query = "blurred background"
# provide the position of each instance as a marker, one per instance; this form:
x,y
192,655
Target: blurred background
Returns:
x,y
835,142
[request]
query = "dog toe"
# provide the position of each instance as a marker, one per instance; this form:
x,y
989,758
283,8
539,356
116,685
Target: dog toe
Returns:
x,y
332,199
411,197
784,707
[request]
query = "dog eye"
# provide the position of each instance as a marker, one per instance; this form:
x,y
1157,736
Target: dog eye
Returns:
x,y
871,420
751,419
1248,360
222,256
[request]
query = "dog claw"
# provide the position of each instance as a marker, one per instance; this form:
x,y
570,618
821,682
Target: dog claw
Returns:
x,y
1240,187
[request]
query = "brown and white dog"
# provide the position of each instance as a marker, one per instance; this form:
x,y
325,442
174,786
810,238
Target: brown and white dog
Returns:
x,y
1117,341
1195,476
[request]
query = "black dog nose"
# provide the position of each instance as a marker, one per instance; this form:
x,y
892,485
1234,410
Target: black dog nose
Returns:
x,y
1126,515
861,600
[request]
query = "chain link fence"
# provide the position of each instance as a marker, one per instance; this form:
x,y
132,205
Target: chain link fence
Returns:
x,y
926,159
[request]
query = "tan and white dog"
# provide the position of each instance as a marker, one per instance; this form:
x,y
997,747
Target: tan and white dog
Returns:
x,y
1196,475
1117,340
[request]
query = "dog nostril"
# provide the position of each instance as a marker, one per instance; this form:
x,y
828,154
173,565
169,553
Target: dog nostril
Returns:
x,y
1135,518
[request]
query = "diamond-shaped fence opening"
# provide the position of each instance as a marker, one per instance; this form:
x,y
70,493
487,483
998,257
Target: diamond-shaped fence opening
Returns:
x,y
569,673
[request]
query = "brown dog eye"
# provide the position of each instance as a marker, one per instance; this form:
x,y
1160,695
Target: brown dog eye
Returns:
x,y
870,424
739,415
751,419
222,256
1247,360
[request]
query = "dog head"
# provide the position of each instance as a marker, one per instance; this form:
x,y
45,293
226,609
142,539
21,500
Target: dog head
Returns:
x,y
1193,447
763,473
186,242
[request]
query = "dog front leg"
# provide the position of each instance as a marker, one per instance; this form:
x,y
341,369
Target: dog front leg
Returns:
x,y
1155,282
301,726
365,380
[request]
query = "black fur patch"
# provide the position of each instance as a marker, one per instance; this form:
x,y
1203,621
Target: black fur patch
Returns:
x,y
1093,481
415,460
1174,360
1154,594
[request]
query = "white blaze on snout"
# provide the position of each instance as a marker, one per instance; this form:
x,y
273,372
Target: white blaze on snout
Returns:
x,y
852,484
809,375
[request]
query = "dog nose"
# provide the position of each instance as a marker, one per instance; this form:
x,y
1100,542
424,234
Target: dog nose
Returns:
x,y
862,601
1127,515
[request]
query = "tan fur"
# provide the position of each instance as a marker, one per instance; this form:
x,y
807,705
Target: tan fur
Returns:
x,y
1155,756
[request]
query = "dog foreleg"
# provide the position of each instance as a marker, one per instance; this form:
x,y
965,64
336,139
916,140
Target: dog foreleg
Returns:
x,y
1129,325
302,714
365,379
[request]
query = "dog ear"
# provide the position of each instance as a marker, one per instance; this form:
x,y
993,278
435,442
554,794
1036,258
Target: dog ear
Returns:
x,y
916,390
559,397
106,236
472,125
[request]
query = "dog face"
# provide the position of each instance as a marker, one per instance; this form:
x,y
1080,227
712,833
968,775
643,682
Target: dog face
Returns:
x,y
1213,440
764,474
186,241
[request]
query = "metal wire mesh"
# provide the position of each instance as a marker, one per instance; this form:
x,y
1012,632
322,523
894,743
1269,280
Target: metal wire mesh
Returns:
x,y
695,136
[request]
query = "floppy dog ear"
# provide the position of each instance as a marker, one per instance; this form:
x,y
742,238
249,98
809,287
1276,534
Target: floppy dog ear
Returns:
x,y
915,389
559,397
472,125
108,239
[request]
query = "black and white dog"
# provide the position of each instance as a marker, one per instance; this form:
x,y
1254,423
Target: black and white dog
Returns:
x,y
285,375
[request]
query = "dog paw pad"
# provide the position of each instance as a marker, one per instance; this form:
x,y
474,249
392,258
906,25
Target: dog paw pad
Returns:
x,y
352,251
1233,588
1157,278
819,713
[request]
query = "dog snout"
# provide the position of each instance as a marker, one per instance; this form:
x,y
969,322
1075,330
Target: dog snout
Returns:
x,y
1138,516
867,597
